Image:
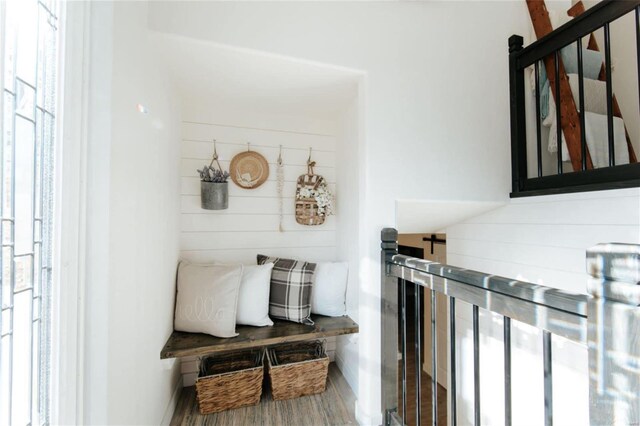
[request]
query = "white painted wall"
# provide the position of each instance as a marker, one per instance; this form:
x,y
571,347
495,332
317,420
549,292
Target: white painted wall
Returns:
x,y
133,223
349,203
541,240
435,106
250,225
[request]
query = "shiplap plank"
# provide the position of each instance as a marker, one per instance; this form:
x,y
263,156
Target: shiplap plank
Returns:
x,y
612,211
248,257
226,151
189,379
189,168
240,205
564,280
189,364
258,137
255,240
191,367
248,223
600,195
191,186
558,258
569,236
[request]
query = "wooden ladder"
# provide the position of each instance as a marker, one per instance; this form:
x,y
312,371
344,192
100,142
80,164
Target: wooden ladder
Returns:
x,y
568,111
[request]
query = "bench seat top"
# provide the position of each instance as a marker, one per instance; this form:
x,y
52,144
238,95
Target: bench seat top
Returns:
x,y
182,344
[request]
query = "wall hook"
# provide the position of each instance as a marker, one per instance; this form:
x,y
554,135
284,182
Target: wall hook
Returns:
x,y
280,156
309,159
248,146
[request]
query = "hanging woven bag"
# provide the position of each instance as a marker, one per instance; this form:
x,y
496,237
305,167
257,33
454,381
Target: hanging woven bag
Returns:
x,y
307,212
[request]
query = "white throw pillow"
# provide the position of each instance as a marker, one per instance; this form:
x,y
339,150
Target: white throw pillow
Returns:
x,y
253,302
207,299
328,294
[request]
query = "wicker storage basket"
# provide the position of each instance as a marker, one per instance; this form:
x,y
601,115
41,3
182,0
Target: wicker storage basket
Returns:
x,y
297,369
230,381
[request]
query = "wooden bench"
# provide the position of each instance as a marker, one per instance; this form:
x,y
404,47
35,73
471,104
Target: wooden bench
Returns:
x,y
182,344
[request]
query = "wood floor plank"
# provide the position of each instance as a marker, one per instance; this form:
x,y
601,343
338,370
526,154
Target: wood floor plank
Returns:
x,y
334,407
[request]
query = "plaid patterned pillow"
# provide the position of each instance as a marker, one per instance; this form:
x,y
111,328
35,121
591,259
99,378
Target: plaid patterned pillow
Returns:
x,y
290,295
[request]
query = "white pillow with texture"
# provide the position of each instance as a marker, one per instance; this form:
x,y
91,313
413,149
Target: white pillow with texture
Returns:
x,y
328,294
207,299
253,302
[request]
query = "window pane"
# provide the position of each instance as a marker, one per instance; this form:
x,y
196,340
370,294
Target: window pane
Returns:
x,y
29,49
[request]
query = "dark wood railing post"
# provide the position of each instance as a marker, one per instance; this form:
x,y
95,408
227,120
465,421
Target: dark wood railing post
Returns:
x,y
389,315
614,334
518,125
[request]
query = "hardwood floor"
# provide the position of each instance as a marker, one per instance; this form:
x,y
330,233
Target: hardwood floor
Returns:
x,y
425,398
333,407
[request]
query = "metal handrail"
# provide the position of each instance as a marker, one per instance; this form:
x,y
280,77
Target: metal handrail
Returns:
x,y
591,20
606,322
573,303
507,302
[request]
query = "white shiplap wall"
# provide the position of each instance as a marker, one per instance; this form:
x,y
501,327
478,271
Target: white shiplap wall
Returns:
x,y
544,239
250,225
541,240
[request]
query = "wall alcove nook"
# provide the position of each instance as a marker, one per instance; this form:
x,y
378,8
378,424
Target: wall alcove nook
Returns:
x,y
277,105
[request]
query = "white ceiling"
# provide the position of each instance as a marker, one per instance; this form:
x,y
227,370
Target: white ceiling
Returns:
x,y
256,81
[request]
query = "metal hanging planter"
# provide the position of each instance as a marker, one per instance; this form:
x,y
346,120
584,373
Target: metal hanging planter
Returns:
x,y
214,195
214,188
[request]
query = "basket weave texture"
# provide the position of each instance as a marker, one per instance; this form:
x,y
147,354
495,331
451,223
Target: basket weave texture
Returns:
x,y
307,208
295,370
230,381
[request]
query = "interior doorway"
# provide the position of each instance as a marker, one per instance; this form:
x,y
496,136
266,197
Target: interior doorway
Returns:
x,y
432,247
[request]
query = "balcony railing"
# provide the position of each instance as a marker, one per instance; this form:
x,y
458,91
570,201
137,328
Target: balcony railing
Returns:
x,y
581,171
606,323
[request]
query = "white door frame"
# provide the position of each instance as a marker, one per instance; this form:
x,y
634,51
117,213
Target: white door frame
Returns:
x,y
70,214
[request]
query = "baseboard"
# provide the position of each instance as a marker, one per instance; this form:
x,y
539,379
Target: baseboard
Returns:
x,y
348,373
173,402
365,419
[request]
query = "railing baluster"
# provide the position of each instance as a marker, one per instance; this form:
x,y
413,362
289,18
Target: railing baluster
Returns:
x,y
638,47
476,365
607,62
452,360
403,291
558,115
583,133
538,131
507,370
548,379
434,362
391,330
418,354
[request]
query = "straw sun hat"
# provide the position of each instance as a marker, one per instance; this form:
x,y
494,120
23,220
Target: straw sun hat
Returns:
x,y
249,169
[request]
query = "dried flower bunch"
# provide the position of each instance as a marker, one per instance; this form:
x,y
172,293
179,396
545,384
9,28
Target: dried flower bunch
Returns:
x,y
323,197
211,174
